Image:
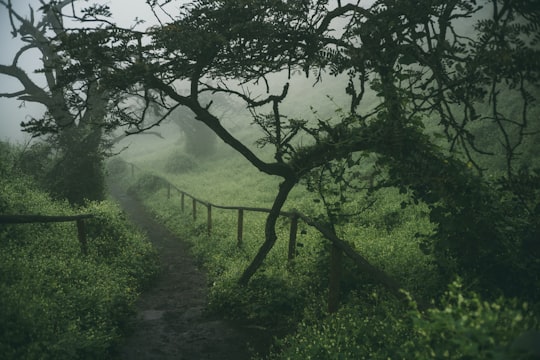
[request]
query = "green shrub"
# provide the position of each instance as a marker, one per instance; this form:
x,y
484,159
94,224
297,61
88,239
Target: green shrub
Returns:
x,y
112,240
147,184
178,163
368,328
56,303
35,160
463,326
276,301
54,307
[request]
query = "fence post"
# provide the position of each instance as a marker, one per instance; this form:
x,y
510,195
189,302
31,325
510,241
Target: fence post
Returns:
x,y
82,236
292,238
194,209
209,219
183,201
335,275
240,227
132,169
168,190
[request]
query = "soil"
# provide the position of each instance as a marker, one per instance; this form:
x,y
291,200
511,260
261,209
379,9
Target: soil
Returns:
x,y
171,321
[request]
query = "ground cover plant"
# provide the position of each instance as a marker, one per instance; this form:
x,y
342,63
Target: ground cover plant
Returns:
x,y
56,303
290,298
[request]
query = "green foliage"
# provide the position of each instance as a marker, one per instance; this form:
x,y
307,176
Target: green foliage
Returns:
x,y
463,326
370,323
199,140
56,303
275,300
369,329
116,167
35,161
78,170
148,183
113,241
179,163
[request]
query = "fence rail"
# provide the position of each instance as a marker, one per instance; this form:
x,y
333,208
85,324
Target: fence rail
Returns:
x,y
240,211
240,222
28,219
339,247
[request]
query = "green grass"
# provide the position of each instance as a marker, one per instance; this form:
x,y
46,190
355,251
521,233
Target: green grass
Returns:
x,y
291,297
384,234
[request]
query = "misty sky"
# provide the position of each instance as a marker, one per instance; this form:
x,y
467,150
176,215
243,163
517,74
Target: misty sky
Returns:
x,y
13,111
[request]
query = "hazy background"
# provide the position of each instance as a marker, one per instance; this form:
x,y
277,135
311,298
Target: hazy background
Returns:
x,y
302,94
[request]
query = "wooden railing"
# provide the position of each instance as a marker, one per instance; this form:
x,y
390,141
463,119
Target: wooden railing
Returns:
x,y
339,246
293,216
27,219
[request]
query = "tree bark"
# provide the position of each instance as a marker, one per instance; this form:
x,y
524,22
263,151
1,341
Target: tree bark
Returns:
x,y
334,280
270,230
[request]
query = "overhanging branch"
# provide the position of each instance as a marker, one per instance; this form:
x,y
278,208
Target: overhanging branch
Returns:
x,y
12,95
202,114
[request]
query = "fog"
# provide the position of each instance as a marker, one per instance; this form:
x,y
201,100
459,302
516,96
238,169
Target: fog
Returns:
x,y
302,92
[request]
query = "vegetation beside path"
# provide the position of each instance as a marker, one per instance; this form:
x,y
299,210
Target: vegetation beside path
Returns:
x,y
289,298
172,321
56,303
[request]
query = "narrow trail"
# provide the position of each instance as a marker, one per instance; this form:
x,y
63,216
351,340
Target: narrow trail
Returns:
x,y
171,323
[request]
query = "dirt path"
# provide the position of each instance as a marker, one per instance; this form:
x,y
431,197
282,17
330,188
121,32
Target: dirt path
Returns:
x,y
171,323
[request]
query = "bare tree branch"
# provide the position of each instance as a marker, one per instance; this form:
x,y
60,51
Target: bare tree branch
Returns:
x,y
34,92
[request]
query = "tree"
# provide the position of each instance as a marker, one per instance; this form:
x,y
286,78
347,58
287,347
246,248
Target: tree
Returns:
x,y
198,140
423,70
76,108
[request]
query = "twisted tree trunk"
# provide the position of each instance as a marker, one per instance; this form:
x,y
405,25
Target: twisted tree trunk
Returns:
x,y
270,230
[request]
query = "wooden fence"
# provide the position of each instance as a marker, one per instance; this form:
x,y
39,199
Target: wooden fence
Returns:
x,y
27,219
195,202
339,247
240,211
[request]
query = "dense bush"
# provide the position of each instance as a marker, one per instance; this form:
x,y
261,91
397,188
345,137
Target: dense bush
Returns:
x,y
462,326
178,163
274,301
147,183
368,328
116,166
56,303
34,161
